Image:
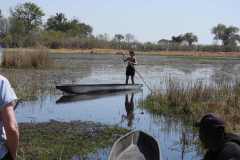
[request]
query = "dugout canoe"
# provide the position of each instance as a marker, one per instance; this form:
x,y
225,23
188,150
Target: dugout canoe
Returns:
x,y
135,145
96,88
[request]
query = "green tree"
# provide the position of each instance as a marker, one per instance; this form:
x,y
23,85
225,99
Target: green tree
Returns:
x,y
129,37
29,14
73,28
190,38
16,32
77,28
228,35
177,39
57,23
118,37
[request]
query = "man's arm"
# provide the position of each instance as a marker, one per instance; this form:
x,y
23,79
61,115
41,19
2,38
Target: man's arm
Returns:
x,y
11,128
135,61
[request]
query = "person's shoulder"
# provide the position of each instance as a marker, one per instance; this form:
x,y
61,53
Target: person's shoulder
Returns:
x,y
230,150
3,79
232,146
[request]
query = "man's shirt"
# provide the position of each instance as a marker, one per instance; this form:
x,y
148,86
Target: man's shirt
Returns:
x,y
7,95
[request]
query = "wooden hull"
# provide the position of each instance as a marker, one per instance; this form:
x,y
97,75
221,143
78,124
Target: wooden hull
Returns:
x,y
86,97
97,88
135,145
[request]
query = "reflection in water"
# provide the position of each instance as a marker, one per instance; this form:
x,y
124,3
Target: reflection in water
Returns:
x,y
129,107
92,96
186,143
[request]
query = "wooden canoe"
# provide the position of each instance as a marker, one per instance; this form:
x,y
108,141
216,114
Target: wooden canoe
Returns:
x,y
135,145
96,88
86,97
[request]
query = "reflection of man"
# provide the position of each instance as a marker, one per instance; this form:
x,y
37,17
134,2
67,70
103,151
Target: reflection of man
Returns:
x,y
8,125
129,107
219,145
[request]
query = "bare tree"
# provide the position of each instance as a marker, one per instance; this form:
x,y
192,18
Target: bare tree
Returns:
x,y
129,37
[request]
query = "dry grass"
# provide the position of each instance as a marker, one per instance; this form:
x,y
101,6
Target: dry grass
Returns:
x,y
160,53
193,100
197,53
26,58
86,51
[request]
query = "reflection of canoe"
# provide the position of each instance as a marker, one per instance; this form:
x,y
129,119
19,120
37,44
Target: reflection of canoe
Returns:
x,y
84,97
96,88
135,145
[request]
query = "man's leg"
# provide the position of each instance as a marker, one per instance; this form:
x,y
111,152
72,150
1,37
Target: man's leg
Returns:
x,y
127,77
132,78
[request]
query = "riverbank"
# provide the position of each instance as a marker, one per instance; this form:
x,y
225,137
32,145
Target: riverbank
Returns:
x,y
62,140
160,53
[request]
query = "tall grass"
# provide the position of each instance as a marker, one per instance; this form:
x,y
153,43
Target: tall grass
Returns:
x,y
26,58
191,101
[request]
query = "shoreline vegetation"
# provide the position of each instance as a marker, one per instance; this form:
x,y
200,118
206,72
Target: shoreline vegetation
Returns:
x,y
38,58
65,140
26,58
189,102
117,51
183,54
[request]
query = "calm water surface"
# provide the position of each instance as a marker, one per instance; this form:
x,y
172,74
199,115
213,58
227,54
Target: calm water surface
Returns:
x,y
111,109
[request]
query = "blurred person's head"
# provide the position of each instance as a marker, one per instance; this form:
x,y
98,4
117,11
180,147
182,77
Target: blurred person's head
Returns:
x,y
131,53
211,131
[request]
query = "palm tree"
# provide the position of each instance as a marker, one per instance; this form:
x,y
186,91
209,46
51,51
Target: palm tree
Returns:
x,y
190,38
228,35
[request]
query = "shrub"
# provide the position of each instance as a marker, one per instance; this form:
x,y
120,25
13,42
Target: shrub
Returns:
x,y
26,58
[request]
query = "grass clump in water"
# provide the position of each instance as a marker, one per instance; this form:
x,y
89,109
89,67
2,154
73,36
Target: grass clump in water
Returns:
x,y
62,140
191,101
26,58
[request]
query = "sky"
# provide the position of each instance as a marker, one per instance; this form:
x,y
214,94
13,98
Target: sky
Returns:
x,y
147,20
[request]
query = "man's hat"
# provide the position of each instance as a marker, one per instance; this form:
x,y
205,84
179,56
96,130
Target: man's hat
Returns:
x,y
210,121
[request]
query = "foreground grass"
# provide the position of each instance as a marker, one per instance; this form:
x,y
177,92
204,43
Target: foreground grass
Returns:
x,y
26,58
190,102
60,140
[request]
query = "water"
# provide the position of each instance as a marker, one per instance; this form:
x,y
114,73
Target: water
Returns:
x,y
111,109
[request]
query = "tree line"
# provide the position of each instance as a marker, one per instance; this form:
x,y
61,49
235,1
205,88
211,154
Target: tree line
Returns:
x,y
25,28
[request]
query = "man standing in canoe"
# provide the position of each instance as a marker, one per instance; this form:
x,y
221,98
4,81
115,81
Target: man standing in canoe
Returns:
x,y
130,70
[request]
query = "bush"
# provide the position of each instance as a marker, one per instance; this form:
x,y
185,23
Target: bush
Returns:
x,y
26,58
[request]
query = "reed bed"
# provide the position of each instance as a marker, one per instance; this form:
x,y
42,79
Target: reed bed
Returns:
x,y
192,100
26,58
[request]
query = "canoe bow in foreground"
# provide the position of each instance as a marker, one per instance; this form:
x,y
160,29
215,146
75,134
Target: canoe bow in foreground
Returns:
x,y
135,145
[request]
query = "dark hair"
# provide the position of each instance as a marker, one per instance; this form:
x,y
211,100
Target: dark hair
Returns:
x,y
210,121
131,52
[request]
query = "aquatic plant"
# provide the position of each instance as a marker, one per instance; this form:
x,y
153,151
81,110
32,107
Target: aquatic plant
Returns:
x,y
64,140
192,100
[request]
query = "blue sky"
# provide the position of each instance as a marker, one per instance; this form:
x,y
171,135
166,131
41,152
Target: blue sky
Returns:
x,y
148,20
